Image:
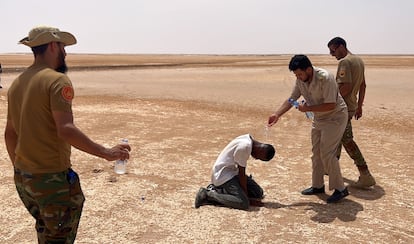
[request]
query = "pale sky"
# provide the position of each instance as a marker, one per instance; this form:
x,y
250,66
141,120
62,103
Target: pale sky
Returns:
x,y
215,26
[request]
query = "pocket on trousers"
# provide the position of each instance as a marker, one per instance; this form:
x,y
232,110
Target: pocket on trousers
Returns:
x,y
75,190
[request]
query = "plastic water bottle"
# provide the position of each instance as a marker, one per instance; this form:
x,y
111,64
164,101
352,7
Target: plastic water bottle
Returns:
x,y
295,103
309,115
120,165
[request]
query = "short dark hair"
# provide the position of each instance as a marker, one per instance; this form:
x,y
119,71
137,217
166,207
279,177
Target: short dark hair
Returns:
x,y
270,152
299,61
39,50
337,41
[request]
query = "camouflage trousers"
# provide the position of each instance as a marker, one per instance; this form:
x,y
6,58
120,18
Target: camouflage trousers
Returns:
x,y
55,200
350,146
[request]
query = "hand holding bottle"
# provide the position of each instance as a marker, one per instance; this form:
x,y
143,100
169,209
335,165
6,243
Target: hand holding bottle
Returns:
x,y
120,164
303,107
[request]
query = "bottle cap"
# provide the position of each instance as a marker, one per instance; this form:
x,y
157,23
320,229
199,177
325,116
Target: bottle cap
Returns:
x,y
125,141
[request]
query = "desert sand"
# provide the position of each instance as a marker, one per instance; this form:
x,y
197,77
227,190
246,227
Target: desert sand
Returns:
x,y
179,111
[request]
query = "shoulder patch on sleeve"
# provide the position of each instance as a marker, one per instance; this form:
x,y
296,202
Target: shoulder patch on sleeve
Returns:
x,y
67,93
341,73
321,75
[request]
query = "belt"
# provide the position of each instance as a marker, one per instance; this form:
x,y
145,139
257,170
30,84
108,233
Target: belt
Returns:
x,y
31,175
23,173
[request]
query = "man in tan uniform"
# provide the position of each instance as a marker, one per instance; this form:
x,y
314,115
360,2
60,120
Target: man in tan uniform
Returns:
x,y
319,89
351,82
39,134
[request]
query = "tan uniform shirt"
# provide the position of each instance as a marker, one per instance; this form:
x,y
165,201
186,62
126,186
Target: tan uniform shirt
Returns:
x,y
322,89
31,99
351,70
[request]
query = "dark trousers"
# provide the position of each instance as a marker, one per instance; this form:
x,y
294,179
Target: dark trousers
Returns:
x,y
231,194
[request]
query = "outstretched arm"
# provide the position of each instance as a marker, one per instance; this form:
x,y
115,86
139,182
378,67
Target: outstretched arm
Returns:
x,y
273,118
67,131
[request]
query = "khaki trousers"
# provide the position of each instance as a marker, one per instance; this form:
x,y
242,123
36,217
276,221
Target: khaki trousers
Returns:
x,y
326,135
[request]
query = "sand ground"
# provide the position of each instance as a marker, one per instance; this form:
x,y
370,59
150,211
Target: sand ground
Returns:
x,y
178,113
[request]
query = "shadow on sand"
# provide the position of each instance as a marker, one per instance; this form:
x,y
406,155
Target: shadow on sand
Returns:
x,y
371,193
346,210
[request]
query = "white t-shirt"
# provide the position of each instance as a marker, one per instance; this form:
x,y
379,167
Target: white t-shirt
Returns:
x,y
237,152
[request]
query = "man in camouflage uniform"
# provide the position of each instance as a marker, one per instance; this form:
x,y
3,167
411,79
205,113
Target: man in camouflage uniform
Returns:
x,y
39,134
351,82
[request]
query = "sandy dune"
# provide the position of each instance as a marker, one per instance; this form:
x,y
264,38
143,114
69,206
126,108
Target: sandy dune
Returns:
x,y
178,112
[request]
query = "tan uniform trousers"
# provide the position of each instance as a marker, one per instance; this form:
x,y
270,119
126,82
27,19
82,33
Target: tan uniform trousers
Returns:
x,y
326,135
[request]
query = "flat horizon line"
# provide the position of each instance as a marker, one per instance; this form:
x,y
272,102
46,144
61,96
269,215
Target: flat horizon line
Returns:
x,y
210,54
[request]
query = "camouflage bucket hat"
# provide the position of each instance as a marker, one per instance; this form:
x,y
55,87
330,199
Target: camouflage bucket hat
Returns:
x,y
45,34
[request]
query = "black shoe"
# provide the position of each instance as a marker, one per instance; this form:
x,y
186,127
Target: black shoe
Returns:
x,y
337,195
313,190
201,197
